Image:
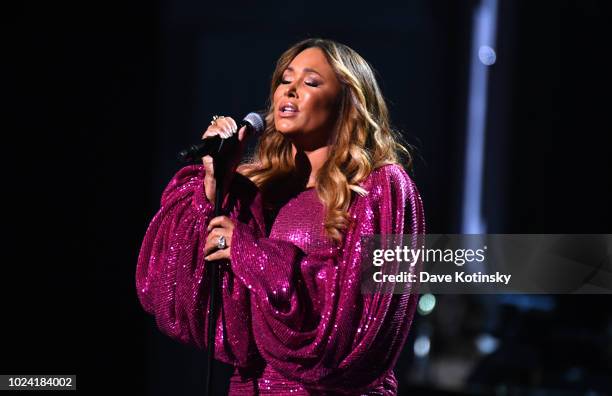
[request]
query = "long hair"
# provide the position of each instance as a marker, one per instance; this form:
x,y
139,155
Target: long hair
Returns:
x,y
362,141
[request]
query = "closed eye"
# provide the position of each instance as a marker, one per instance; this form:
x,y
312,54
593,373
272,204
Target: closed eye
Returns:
x,y
309,83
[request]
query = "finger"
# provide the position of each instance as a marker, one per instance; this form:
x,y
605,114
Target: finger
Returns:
x,y
211,246
228,122
208,165
218,255
223,132
210,132
229,125
214,234
214,223
208,248
232,123
211,242
219,221
242,133
219,232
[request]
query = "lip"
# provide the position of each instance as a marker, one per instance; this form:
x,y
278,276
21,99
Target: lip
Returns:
x,y
287,114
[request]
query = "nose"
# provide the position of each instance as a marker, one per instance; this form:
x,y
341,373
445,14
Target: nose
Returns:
x,y
291,90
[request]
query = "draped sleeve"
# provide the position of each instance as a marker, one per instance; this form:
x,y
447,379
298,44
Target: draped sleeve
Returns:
x,y
172,282
331,337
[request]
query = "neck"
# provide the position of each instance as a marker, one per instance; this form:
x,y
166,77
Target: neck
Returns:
x,y
308,163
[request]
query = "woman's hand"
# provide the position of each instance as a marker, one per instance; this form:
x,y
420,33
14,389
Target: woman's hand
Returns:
x,y
219,226
224,127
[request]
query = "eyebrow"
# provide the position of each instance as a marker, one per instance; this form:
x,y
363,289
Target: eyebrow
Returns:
x,y
306,69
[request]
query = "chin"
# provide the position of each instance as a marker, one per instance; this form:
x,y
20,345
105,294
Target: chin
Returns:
x,y
285,130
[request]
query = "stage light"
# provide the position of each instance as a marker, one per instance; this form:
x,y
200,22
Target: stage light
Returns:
x,y
421,346
487,55
486,343
484,31
427,302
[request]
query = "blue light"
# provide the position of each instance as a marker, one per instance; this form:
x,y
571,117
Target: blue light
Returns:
x,y
487,55
483,42
427,302
486,343
422,346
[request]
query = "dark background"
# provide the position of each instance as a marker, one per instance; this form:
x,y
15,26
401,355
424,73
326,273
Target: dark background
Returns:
x,y
100,97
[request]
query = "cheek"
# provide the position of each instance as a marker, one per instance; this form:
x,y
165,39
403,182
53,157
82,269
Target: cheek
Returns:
x,y
324,109
275,102
276,98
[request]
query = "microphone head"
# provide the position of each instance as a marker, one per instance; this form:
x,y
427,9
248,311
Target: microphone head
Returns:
x,y
256,121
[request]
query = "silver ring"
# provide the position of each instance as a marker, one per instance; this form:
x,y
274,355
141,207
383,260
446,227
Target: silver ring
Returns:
x,y
221,243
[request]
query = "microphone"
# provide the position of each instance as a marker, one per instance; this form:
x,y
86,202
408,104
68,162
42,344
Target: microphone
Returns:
x,y
216,145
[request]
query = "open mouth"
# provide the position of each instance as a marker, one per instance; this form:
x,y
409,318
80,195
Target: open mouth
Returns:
x,y
288,110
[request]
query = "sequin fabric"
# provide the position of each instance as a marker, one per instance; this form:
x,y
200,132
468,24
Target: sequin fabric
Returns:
x,y
292,318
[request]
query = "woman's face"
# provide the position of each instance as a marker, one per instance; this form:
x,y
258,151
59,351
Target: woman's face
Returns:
x,y
306,101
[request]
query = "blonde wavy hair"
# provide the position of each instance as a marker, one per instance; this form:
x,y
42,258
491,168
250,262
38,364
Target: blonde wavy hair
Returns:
x,y
362,141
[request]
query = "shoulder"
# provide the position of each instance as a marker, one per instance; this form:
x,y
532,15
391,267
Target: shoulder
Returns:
x,y
389,178
392,201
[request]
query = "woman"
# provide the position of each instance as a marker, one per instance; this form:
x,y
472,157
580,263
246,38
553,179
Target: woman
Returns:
x,y
292,318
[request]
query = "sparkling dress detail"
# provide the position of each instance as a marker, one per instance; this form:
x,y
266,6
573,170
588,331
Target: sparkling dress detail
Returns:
x,y
291,316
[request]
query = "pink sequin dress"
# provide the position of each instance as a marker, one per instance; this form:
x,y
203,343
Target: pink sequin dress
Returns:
x,y
291,318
